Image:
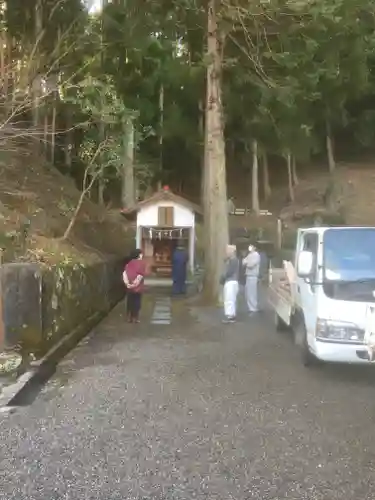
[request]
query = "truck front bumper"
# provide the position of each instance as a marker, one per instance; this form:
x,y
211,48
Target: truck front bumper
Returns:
x,y
335,352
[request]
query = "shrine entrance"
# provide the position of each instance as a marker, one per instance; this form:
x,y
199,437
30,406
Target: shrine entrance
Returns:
x,y
158,245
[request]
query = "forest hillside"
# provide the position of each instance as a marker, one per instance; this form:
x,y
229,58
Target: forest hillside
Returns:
x,y
37,204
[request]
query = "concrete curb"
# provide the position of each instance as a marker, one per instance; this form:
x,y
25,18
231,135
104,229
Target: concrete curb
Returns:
x,y
43,368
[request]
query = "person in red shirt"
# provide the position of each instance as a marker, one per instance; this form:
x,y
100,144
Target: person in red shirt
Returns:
x,y
133,276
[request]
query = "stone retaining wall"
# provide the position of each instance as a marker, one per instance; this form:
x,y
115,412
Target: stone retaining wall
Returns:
x,y
41,305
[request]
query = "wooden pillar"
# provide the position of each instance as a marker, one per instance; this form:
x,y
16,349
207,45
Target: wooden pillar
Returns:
x,y
138,237
192,248
279,234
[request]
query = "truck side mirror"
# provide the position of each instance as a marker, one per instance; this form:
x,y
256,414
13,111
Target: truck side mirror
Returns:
x,y
305,264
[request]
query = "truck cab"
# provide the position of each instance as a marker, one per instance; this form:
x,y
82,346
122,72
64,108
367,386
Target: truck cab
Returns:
x,y
330,303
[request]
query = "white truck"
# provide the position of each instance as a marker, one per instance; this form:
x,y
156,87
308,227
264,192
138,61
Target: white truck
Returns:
x,y
327,295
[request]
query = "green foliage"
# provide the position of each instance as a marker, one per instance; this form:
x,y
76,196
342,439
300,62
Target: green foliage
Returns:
x,y
98,104
97,100
288,67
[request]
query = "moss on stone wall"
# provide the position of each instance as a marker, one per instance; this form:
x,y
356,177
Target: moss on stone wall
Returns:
x,y
44,303
73,292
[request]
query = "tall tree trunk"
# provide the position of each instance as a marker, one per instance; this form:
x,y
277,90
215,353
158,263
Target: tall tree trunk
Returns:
x,y
215,189
128,185
288,158
46,144
294,171
68,137
3,72
102,126
266,177
10,80
101,189
101,180
53,130
6,69
255,177
330,149
201,135
161,126
55,99
37,83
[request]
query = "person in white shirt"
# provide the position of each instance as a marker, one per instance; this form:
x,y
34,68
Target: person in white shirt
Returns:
x,y
229,280
252,266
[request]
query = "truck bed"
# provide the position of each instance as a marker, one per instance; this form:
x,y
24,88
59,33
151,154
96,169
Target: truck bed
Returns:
x,y
280,291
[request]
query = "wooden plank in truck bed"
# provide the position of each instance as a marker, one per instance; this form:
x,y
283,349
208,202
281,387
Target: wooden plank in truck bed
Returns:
x,y
280,294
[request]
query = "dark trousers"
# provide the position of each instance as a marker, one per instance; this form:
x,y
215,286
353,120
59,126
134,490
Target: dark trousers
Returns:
x,y
134,304
179,287
179,281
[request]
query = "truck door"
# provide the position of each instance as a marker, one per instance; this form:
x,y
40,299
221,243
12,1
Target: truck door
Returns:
x,y
307,290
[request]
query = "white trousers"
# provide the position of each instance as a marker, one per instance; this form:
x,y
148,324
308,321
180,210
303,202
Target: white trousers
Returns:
x,y
251,292
230,293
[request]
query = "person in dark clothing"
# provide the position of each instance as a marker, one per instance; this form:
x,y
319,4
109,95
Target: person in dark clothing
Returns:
x,y
179,264
133,276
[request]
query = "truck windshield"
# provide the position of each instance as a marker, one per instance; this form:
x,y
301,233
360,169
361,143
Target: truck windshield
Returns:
x,y
349,254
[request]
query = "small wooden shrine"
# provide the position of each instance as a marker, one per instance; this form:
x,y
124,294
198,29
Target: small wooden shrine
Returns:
x,y
162,221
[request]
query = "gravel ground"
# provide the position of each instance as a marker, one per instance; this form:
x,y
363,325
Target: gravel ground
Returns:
x,y
194,410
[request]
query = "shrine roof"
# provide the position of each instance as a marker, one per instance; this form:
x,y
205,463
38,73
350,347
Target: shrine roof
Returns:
x,y
163,195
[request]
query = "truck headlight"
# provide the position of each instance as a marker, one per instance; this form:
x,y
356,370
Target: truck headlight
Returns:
x,y
338,330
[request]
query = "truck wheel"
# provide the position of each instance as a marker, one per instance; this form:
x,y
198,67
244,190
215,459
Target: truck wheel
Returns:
x,y
280,324
300,339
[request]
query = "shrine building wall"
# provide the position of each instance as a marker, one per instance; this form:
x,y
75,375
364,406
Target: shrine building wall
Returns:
x,y
148,215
